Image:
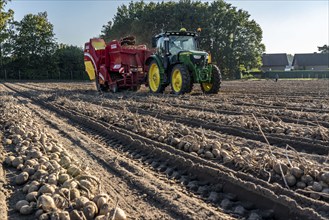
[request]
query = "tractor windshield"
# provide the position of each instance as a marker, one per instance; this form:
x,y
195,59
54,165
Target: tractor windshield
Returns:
x,y
179,43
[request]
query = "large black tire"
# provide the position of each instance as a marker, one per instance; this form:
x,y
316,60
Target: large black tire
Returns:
x,y
191,86
216,80
180,80
154,78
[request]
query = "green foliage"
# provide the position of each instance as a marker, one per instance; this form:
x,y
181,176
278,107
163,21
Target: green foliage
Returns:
x,y
248,76
31,52
32,44
324,49
34,36
229,34
5,16
69,60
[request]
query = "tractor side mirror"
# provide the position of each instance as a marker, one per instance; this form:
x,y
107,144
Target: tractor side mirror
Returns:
x,y
166,46
154,42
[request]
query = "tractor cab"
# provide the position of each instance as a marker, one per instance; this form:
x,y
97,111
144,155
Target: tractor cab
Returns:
x,y
171,44
177,61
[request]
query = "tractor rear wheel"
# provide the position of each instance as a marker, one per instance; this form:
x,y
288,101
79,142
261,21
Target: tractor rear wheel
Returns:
x,y
180,79
154,78
213,86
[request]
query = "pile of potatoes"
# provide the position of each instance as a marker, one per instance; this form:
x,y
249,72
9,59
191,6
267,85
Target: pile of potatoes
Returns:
x,y
319,132
55,185
304,175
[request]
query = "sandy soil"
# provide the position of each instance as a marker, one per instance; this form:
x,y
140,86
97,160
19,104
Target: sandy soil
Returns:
x,y
155,155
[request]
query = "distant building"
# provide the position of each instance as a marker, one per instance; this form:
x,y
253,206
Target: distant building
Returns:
x,y
311,61
275,61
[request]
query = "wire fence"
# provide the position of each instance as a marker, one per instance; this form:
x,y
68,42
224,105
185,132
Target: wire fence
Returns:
x,y
14,74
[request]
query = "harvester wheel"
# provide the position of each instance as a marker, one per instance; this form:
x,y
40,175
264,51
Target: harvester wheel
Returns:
x,y
214,85
100,87
154,78
115,88
180,79
136,88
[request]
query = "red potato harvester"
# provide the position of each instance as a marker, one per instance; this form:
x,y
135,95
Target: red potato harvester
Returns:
x,y
116,65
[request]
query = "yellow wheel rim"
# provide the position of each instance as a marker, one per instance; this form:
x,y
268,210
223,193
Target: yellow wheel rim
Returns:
x,y
176,80
206,86
154,77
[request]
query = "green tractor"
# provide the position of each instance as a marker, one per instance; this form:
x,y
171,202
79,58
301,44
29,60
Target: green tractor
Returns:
x,y
178,62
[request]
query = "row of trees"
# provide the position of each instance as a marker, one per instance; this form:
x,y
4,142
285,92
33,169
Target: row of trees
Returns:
x,y
28,49
234,40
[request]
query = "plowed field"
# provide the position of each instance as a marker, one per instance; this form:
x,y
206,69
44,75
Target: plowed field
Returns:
x,y
256,150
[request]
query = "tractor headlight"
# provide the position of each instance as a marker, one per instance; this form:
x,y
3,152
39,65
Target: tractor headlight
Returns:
x,y
197,57
208,58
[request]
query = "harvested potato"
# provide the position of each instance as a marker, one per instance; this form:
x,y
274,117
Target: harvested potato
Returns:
x,y
118,214
65,161
77,215
104,209
101,201
46,203
73,171
277,169
60,215
47,188
325,177
22,178
74,193
8,141
26,188
291,179
60,201
297,172
52,179
63,178
21,203
80,202
90,210
32,196
26,210
38,213
17,161
9,160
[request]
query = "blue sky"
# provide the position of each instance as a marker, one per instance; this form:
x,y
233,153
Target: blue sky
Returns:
x,y
288,26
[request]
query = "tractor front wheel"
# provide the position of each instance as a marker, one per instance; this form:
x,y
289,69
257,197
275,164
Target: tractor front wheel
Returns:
x,y
213,86
154,78
180,79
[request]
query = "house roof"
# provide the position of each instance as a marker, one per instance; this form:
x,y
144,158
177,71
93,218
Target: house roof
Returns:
x,y
275,59
311,59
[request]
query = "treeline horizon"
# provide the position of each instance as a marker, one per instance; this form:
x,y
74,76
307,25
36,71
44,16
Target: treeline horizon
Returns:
x,y
30,51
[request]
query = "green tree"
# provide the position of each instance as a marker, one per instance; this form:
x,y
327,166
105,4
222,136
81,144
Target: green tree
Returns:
x,y
69,60
5,16
35,44
324,49
230,35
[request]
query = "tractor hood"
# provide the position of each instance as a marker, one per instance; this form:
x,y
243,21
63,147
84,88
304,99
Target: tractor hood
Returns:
x,y
194,52
197,57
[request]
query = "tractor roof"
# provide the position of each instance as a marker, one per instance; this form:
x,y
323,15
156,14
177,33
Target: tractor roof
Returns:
x,y
178,33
